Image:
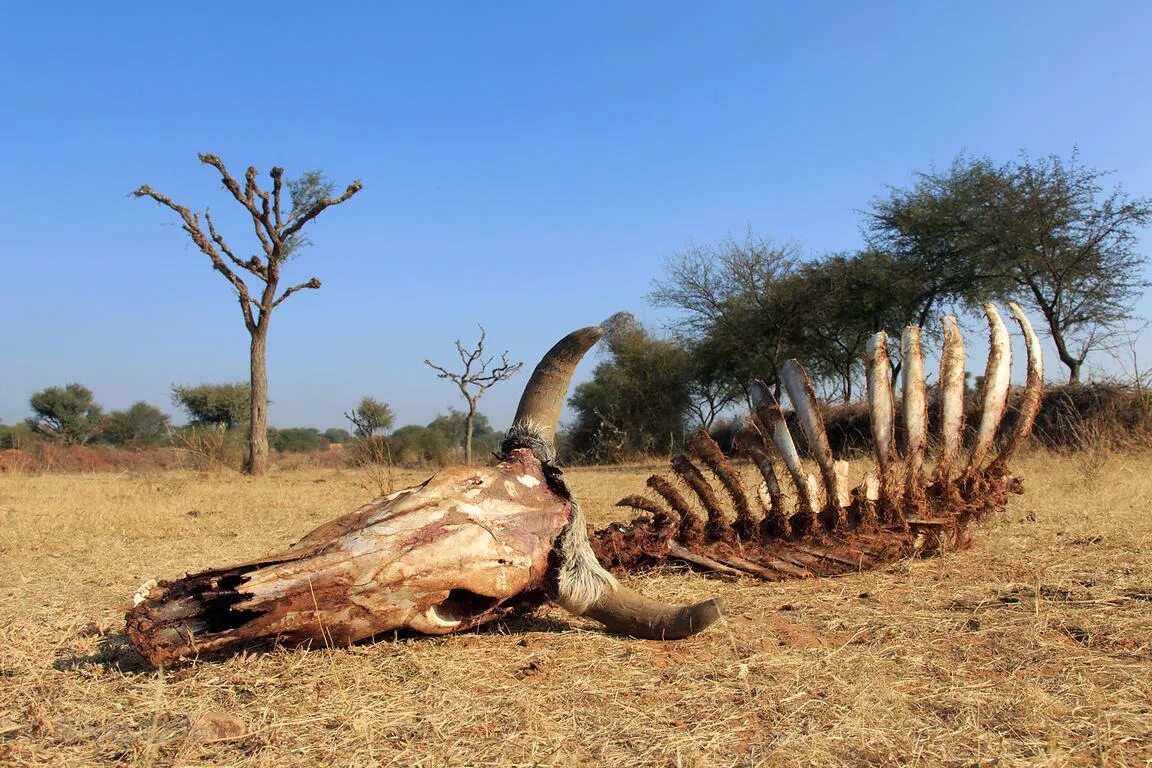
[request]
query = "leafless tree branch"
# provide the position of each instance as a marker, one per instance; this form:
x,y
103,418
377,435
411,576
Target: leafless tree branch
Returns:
x,y
216,238
481,379
192,227
313,283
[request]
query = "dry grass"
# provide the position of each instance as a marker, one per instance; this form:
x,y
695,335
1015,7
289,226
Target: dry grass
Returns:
x,y
1034,648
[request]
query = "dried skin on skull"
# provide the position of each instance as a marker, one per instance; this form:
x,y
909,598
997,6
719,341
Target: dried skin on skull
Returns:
x,y
467,546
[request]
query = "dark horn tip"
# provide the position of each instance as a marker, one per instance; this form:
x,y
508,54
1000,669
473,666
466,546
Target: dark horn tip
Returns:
x,y
703,615
690,620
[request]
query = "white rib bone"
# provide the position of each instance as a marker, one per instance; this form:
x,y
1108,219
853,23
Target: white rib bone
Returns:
x,y
915,405
1033,386
771,483
771,418
951,398
803,397
995,394
841,469
879,379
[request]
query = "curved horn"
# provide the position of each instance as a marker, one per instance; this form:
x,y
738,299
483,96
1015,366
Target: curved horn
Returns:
x,y
627,612
584,588
543,397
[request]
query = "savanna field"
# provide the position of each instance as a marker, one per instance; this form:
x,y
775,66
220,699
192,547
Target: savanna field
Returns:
x,y
1032,648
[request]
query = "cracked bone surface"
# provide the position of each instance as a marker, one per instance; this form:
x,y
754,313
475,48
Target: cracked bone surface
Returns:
x,y
888,515
469,545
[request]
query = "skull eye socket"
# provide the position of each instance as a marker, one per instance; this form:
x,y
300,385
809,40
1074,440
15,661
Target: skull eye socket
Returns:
x,y
461,605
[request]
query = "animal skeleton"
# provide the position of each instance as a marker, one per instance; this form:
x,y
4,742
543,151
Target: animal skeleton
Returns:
x,y
471,545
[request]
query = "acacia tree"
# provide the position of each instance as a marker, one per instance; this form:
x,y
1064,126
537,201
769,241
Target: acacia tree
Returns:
x,y
370,417
732,310
747,307
1072,250
68,414
141,424
228,405
477,377
1043,232
279,235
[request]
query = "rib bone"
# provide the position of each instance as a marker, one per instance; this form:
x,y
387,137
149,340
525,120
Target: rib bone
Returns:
x,y
767,411
879,377
995,394
1033,387
951,399
803,397
915,414
874,525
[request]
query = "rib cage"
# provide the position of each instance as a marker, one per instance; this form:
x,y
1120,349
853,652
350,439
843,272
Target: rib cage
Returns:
x,y
822,527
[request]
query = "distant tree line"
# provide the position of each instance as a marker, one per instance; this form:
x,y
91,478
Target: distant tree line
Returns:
x,y
218,422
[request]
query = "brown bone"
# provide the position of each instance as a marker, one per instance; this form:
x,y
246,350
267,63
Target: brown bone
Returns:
x,y
872,524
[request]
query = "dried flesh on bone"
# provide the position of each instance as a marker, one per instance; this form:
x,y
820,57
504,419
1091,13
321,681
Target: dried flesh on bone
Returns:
x,y
885,517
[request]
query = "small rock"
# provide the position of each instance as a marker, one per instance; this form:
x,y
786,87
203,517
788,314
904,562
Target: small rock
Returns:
x,y
212,726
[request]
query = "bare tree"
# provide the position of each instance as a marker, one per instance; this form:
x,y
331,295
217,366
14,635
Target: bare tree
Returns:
x,y
279,235
476,378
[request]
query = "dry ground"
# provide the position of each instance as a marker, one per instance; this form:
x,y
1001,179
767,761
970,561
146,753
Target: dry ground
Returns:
x,y
1034,648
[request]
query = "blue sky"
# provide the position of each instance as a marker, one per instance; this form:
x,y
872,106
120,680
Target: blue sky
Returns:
x,y
527,166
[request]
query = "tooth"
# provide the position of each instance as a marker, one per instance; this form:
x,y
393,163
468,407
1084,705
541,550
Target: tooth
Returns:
x,y
803,397
995,394
767,411
1033,387
915,407
951,398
